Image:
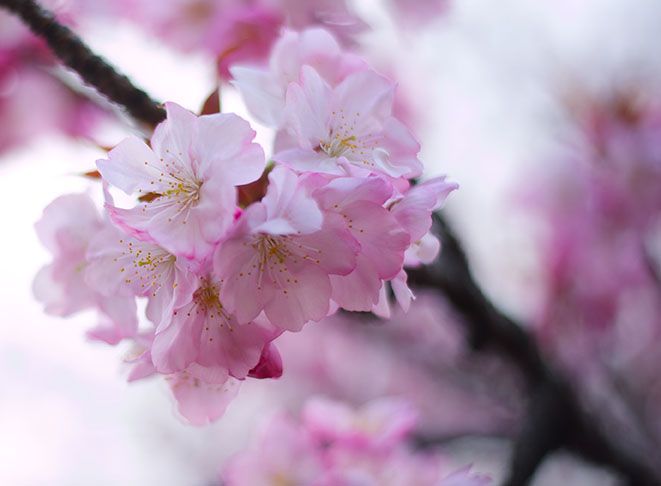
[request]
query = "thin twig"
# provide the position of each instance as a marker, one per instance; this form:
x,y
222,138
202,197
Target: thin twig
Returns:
x,y
93,69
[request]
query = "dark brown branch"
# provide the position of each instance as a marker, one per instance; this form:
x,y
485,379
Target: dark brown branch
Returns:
x,y
93,69
555,418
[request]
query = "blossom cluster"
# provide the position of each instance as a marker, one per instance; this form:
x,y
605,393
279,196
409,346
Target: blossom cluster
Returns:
x,y
604,205
228,251
238,30
336,445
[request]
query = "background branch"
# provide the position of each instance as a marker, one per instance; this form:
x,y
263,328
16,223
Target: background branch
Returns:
x,y
554,416
93,69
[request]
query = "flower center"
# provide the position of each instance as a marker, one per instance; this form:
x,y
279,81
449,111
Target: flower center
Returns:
x,y
149,266
339,145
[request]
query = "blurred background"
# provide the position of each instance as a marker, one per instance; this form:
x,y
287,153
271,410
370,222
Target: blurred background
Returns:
x,y
548,115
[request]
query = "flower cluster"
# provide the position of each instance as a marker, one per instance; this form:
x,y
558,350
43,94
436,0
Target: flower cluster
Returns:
x,y
238,30
229,251
335,445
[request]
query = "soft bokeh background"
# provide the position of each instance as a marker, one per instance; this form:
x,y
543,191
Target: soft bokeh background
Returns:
x,y
486,81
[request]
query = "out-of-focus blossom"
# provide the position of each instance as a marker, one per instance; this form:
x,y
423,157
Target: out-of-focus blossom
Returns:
x,y
66,229
420,355
338,446
264,89
379,424
33,101
238,31
414,13
189,175
282,454
601,313
333,15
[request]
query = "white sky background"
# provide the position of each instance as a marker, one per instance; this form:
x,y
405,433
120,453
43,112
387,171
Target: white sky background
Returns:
x,y
486,75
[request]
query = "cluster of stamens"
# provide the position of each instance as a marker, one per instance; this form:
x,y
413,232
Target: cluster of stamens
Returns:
x,y
147,265
182,188
343,141
207,302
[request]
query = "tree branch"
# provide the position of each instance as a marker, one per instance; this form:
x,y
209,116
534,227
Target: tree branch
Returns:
x,y
555,418
93,69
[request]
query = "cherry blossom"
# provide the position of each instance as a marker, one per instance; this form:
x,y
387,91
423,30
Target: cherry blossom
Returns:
x,y
348,129
280,255
188,175
65,229
337,446
204,332
264,90
358,205
119,264
202,393
378,424
280,455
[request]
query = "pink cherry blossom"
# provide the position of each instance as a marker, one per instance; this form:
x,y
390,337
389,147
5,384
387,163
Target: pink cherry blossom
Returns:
x,y
204,332
280,255
414,13
334,15
264,90
379,424
230,30
202,394
358,205
192,168
282,454
347,129
66,228
119,264
338,446
414,210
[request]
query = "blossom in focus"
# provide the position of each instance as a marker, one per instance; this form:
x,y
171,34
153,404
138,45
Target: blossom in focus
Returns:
x,y
118,264
189,175
203,331
348,129
280,255
202,393
413,211
357,204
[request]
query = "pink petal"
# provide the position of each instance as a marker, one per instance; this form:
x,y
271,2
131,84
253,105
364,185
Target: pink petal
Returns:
x,y
199,402
131,166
